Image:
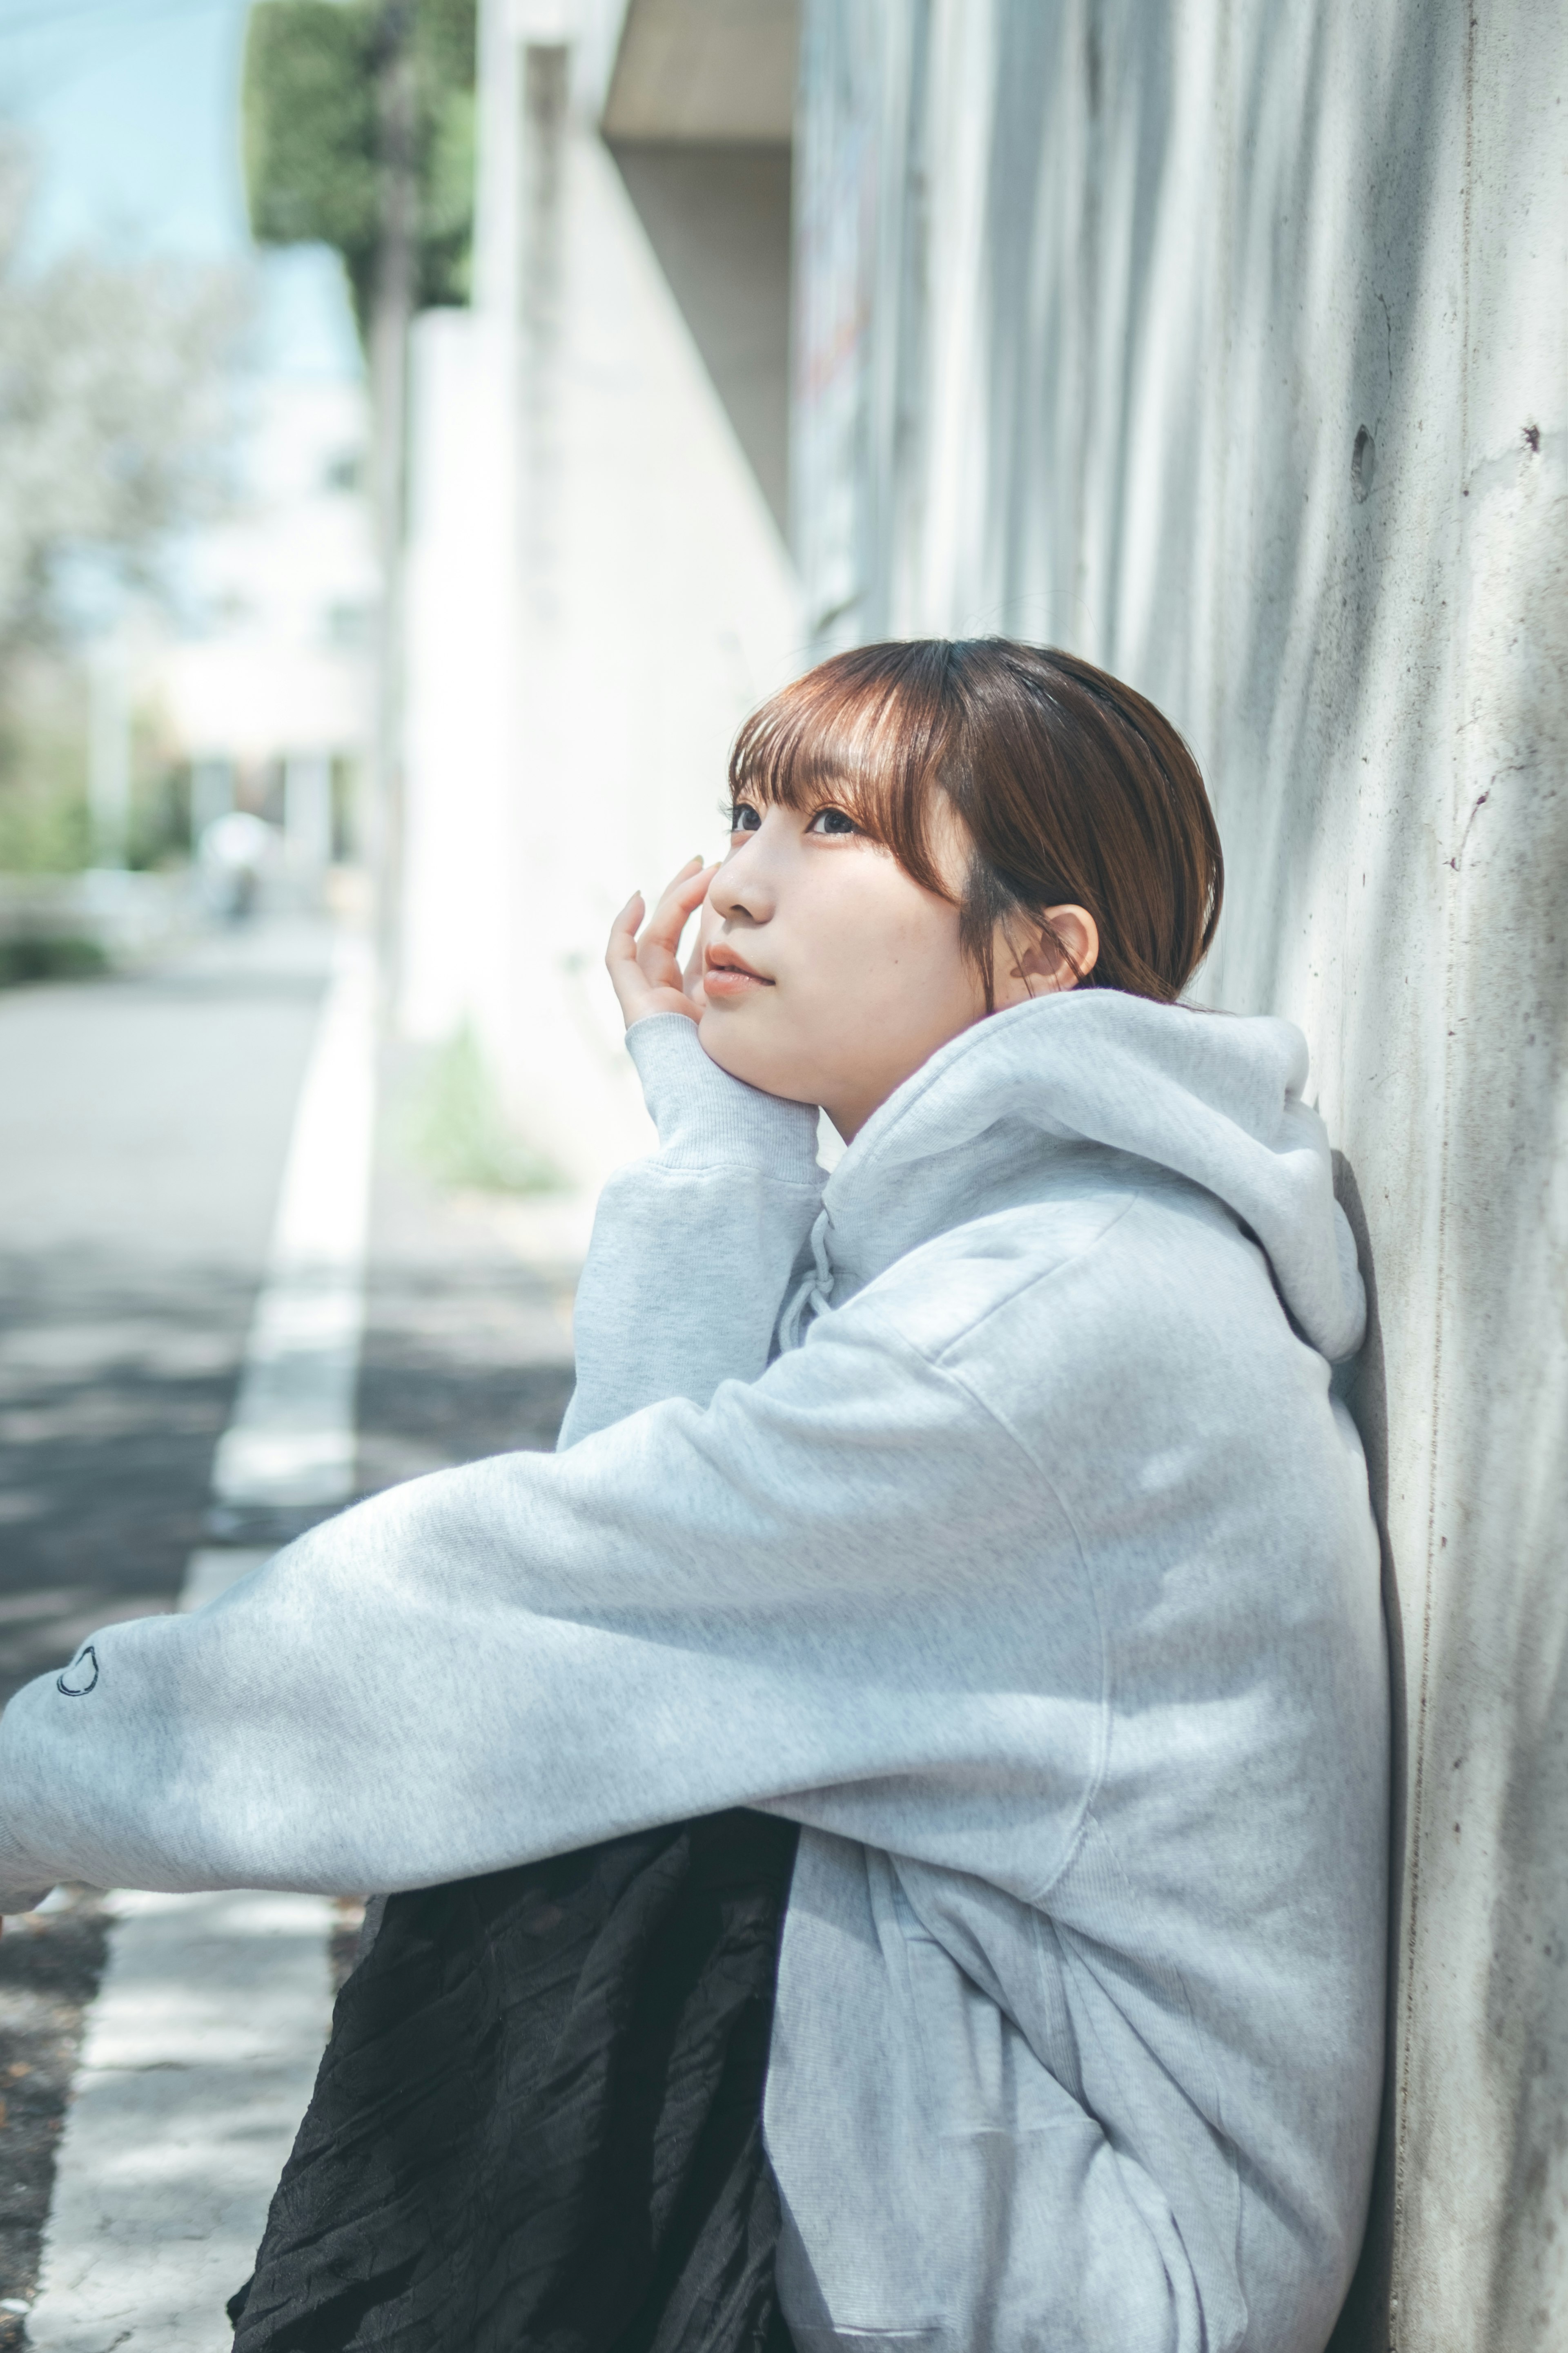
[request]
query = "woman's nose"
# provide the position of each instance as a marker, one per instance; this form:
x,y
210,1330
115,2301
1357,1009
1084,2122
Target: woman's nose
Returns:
x,y
741,888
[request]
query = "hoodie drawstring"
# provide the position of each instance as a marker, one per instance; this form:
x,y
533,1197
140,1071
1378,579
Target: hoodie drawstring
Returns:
x,y
814,1294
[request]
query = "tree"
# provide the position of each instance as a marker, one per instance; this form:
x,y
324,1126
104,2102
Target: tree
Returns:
x,y
359,132
115,423
315,75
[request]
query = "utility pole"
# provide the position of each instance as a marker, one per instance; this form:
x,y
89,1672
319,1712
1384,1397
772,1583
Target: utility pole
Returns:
x,y
392,313
109,753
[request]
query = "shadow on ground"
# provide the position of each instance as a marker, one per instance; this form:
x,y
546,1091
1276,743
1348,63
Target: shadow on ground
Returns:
x,y
113,1392
50,1963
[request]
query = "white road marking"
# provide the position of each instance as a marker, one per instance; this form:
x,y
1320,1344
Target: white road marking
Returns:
x,y
292,1441
200,2053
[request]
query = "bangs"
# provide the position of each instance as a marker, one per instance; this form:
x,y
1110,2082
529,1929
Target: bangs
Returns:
x,y
862,732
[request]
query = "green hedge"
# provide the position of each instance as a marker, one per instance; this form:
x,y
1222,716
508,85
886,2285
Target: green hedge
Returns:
x,y
66,958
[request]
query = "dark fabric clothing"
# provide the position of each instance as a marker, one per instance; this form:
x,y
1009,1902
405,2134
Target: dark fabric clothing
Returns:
x,y
537,2128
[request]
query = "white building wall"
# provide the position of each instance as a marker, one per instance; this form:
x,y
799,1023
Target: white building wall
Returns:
x,y
280,599
1225,344
598,596
459,838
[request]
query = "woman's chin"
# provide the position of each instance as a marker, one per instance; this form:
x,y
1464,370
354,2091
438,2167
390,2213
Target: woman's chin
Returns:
x,y
724,1040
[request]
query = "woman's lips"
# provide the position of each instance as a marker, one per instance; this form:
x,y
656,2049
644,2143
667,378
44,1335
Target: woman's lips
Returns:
x,y
727,974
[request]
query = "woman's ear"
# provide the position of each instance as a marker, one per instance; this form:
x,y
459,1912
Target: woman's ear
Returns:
x,y
1055,952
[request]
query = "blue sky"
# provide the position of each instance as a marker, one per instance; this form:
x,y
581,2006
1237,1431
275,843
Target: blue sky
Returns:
x,y
132,109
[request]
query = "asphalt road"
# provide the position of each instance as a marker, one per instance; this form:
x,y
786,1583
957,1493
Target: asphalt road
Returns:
x,y
143,1127
144,1124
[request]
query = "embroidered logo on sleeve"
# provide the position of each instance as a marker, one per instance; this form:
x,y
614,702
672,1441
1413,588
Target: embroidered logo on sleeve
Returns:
x,y
80,1675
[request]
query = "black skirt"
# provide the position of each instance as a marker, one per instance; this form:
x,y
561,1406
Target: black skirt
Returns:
x,y
537,2128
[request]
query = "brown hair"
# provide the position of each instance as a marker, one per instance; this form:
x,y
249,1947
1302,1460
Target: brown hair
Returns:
x,y
1072,789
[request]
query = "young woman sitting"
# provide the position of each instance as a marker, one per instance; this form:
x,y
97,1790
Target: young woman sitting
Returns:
x,y
983,1507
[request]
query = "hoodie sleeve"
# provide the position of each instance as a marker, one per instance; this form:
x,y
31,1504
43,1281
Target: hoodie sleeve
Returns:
x,y
696,1609
692,1248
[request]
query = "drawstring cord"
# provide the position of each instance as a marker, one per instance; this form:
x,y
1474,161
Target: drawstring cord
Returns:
x,y
815,1293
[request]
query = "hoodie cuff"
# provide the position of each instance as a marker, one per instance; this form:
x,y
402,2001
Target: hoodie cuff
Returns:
x,y
705,1117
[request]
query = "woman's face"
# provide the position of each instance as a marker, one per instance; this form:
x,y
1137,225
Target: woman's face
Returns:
x,y
829,976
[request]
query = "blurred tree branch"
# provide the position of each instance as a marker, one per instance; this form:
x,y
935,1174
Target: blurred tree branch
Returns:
x,y
115,417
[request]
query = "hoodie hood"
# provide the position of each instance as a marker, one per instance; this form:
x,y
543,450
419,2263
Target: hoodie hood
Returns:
x,y
1215,1098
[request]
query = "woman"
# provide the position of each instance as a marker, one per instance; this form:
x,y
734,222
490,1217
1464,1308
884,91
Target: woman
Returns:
x,y
984,1509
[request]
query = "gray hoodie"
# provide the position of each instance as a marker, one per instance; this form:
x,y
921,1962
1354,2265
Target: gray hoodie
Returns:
x,y
985,1509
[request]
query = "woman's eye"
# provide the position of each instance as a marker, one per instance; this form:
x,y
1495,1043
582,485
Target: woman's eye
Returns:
x,y
832,820
744,818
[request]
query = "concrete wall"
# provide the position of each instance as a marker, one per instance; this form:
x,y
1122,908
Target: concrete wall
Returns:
x,y
1224,343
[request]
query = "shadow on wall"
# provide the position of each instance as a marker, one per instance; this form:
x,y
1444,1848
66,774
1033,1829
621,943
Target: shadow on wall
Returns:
x,y
718,218
1363,2323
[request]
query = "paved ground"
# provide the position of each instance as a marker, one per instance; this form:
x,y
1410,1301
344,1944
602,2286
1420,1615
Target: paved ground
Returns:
x,y
50,1965
142,1128
466,1349
144,1125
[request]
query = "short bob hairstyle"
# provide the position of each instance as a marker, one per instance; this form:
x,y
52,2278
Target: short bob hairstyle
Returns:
x,y
1072,790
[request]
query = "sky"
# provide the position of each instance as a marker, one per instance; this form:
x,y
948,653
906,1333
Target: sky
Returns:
x,y
132,109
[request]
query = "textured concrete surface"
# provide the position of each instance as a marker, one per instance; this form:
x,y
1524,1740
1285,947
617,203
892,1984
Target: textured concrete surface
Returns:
x,y
1225,344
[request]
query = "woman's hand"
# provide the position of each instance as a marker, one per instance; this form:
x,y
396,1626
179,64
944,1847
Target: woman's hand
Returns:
x,y
646,972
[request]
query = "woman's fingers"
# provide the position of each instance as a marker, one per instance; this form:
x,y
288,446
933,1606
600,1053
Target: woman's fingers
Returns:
x,y
680,898
645,970
621,960
624,929
658,948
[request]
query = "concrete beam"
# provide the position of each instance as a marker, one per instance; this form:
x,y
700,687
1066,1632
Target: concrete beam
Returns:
x,y
705,70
